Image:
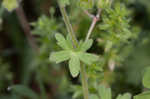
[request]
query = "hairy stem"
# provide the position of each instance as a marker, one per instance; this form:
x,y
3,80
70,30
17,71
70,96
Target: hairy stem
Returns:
x,y
91,29
75,43
95,19
84,81
69,26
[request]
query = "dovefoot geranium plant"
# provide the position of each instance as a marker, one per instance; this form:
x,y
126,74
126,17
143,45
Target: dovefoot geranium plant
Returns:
x,y
76,41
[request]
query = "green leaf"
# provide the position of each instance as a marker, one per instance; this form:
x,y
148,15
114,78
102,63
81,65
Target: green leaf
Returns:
x,y
60,56
86,45
77,94
61,41
88,58
86,4
145,95
64,2
10,5
24,91
69,42
103,3
74,65
105,93
124,96
93,96
77,91
146,78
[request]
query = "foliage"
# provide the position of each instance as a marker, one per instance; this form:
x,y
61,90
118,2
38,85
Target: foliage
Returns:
x,y
146,83
23,91
146,79
119,41
5,75
75,56
10,5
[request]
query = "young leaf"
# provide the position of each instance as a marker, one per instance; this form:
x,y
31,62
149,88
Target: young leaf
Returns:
x,y
145,95
60,56
105,93
87,58
61,41
146,78
74,66
86,45
10,5
24,91
125,96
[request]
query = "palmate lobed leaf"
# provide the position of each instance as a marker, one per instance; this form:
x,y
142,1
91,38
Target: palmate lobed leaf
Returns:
x,y
60,56
75,56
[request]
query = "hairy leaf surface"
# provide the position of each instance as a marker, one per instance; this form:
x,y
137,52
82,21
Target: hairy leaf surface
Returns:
x,y
60,56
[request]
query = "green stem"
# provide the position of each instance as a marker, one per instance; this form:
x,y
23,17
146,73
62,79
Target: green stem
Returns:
x,y
75,43
69,26
84,81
